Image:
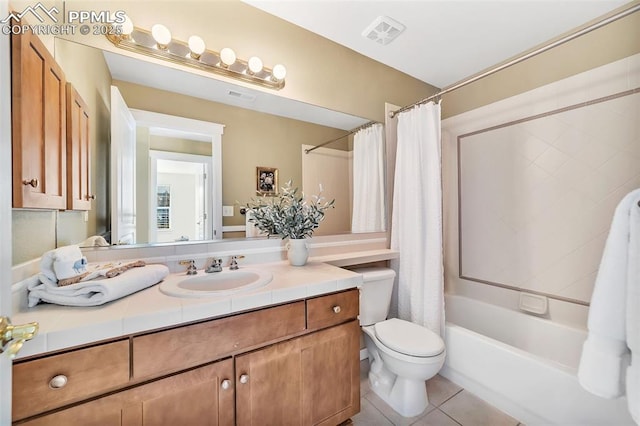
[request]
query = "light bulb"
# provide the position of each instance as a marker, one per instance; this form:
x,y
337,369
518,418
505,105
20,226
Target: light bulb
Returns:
x,y
161,35
227,56
255,65
279,72
126,27
196,45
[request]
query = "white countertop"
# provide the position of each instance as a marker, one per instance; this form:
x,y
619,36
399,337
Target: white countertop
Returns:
x,y
64,327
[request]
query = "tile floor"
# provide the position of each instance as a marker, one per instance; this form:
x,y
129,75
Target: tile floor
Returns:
x,y
449,405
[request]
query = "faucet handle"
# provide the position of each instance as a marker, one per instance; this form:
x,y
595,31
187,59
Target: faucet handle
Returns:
x,y
191,266
234,262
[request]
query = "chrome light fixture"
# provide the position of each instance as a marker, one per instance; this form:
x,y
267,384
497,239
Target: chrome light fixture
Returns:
x,y
158,43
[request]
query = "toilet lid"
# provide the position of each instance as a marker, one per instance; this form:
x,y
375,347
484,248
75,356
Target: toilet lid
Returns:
x,y
408,338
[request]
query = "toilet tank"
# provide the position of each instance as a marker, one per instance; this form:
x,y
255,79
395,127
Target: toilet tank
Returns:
x,y
375,294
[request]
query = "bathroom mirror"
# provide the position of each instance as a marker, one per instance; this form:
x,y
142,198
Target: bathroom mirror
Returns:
x,y
254,121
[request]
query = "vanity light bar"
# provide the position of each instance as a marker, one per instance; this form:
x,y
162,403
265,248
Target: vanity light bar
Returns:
x,y
142,41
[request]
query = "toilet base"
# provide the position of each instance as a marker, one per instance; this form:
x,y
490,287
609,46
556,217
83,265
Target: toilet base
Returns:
x,y
407,397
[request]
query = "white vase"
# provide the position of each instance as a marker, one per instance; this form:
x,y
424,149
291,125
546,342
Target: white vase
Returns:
x,y
297,252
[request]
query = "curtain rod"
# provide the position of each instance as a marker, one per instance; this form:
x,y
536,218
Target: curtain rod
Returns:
x,y
521,58
357,129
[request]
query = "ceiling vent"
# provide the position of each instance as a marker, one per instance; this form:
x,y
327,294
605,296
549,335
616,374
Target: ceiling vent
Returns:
x,y
241,96
383,30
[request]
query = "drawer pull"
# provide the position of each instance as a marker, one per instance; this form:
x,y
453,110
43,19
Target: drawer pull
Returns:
x,y
225,384
337,309
58,381
244,379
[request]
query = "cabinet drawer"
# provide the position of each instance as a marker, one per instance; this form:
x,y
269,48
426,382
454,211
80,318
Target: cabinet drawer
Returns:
x,y
332,309
88,372
180,348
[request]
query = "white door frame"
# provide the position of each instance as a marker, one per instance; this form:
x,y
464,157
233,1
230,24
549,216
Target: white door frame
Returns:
x,y
213,132
153,177
123,169
5,213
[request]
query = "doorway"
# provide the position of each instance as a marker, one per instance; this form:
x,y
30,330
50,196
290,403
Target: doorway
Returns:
x,y
179,197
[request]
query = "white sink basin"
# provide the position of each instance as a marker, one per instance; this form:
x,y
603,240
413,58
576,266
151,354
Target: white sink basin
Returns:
x,y
215,283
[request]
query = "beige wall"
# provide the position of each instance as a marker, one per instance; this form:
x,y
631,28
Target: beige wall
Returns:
x,y
610,43
319,71
185,146
250,139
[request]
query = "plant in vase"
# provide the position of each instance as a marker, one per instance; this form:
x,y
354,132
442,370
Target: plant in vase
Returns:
x,y
289,215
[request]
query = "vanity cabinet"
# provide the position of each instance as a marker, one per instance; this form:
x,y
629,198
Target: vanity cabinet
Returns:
x,y
196,397
291,364
311,380
38,125
79,196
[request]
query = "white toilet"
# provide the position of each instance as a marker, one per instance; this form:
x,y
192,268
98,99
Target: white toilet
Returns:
x,y
402,355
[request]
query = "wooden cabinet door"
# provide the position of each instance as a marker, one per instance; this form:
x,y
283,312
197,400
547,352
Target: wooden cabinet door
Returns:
x,y
79,194
38,125
313,379
196,397
331,375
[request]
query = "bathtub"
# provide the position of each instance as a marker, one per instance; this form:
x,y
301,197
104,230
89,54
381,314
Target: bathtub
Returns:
x,y
522,364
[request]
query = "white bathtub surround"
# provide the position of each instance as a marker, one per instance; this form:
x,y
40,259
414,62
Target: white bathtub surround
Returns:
x,y
528,369
368,180
416,230
614,316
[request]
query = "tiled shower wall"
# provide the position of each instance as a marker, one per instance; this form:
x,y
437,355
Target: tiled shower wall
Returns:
x,y
538,186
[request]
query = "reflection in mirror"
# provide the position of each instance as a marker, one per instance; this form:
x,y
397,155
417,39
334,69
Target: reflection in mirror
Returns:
x,y
260,130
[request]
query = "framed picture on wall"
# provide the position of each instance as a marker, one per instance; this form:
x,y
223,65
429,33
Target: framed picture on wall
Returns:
x,y
267,180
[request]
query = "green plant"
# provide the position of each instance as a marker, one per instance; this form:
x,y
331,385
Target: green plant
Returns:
x,y
288,214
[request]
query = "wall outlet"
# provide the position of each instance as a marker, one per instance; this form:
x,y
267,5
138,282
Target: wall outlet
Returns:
x,y
227,210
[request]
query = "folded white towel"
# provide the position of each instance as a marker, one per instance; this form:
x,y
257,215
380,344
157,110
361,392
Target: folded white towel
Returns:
x,y
62,263
94,241
614,314
95,292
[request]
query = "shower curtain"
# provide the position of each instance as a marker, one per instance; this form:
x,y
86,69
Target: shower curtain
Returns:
x,y
368,180
416,229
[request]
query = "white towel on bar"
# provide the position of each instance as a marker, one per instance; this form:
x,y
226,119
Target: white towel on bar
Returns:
x,y
614,314
95,292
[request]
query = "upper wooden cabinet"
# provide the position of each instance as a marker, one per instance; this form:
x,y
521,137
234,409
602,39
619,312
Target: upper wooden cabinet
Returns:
x,y
79,194
38,125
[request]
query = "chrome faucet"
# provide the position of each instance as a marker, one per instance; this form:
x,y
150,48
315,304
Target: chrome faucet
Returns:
x,y
191,266
233,265
213,265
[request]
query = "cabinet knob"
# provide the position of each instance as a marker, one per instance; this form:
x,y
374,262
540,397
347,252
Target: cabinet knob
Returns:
x,y
225,384
33,182
58,381
337,309
244,379
91,197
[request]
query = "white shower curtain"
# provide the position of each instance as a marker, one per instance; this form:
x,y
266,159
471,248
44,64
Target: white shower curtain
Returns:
x,y
416,230
368,180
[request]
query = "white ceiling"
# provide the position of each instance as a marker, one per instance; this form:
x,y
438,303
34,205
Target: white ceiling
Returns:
x,y
444,41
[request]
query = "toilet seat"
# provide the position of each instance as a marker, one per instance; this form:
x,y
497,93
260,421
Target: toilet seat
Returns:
x,y
408,338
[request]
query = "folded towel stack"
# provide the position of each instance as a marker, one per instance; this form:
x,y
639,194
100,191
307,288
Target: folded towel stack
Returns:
x,y
66,279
